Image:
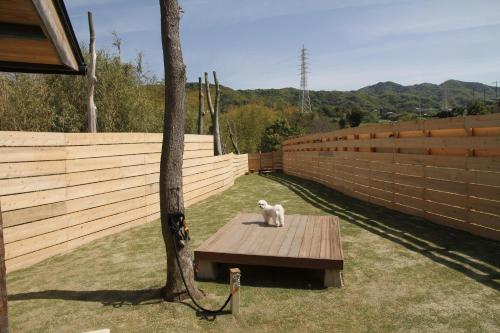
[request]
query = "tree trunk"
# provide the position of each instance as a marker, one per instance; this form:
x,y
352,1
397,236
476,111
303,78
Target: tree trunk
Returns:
x,y
214,113
91,108
171,199
234,139
201,113
215,118
4,323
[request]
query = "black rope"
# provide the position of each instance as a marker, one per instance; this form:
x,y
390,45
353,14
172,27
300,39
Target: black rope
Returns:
x,y
176,229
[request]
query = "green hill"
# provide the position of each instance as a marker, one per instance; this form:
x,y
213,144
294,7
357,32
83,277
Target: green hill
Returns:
x,y
383,96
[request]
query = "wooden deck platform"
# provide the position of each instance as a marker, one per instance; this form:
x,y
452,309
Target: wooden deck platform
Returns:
x,y
304,242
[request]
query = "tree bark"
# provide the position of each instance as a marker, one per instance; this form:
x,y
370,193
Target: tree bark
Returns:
x,y
4,322
214,113
171,198
201,112
234,139
215,119
91,108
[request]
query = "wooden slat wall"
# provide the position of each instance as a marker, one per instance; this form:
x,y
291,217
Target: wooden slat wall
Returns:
x,y
240,165
445,170
260,161
61,190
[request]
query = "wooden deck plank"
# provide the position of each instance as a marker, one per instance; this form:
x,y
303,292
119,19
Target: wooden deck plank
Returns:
x,y
285,247
233,236
304,242
272,239
262,236
316,240
325,236
336,250
251,235
275,247
212,239
299,236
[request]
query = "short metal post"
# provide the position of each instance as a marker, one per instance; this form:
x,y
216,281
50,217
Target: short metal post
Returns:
x,y
234,285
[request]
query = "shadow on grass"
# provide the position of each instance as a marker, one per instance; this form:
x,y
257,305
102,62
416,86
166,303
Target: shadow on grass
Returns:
x,y
202,315
114,298
473,256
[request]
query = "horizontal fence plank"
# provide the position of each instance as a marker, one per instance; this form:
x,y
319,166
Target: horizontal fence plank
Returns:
x,y
445,170
21,139
62,190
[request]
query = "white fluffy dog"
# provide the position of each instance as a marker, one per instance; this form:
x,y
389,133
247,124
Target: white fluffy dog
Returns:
x,y
275,213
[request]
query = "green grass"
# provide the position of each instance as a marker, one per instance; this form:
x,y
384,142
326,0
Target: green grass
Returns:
x,y
402,274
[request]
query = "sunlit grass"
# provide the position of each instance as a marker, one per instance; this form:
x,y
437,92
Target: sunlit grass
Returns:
x,y
401,273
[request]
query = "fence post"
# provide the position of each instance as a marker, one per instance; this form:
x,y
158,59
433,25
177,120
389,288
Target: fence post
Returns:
x,y
4,322
234,285
260,160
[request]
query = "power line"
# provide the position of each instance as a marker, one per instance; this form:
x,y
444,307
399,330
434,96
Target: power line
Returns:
x,y
305,101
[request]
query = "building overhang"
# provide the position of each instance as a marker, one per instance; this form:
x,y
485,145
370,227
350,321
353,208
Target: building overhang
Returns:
x,y
36,36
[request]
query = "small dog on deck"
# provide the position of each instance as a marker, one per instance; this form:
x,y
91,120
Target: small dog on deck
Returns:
x,y
275,213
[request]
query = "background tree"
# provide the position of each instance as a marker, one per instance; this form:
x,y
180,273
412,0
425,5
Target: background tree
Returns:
x,y
354,118
342,123
214,112
249,122
233,137
476,108
91,108
275,134
117,42
171,198
201,112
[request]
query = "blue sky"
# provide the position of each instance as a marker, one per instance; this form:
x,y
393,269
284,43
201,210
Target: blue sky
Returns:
x,y
352,43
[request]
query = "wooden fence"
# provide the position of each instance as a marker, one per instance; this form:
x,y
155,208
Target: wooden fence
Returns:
x,y
262,161
61,190
445,170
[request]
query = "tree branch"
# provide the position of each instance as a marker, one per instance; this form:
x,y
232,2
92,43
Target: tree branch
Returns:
x,y
209,98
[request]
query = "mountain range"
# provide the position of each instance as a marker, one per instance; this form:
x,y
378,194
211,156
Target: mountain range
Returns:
x,y
383,96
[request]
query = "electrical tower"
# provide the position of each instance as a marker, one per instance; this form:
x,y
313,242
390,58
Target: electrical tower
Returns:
x,y
305,101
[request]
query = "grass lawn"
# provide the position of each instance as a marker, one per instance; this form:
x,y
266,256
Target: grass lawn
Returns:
x,y
402,273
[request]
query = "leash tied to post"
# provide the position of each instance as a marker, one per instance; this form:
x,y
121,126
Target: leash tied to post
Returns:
x,y
180,233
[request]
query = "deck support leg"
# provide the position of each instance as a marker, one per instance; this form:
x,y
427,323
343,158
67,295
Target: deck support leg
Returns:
x,y
207,270
333,278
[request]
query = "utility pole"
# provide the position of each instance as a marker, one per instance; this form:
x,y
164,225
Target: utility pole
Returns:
x,y
496,89
305,101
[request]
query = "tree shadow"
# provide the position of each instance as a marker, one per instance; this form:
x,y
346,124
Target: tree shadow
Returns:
x,y
114,298
474,256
